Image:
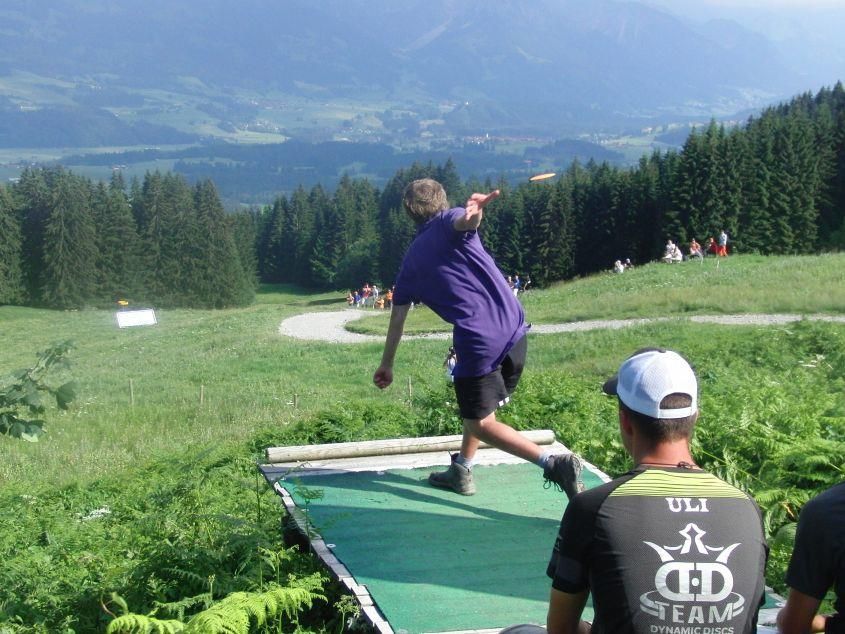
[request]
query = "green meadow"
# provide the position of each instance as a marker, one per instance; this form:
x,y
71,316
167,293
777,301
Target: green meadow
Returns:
x,y
143,496
802,285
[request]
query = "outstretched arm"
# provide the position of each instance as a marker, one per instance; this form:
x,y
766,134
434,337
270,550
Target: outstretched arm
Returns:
x,y
474,211
384,374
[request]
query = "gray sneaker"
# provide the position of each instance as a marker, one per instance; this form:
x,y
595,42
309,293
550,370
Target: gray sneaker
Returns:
x,y
457,477
564,472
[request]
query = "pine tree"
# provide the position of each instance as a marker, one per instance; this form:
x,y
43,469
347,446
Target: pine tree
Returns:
x,y
11,274
117,244
269,249
755,230
829,215
642,242
166,214
358,263
217,276
69,276
597,221
329,240
32,199
561,244
299,228
244,226
506,222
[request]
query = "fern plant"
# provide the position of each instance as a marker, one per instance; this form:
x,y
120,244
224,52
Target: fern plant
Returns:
x,y
237,613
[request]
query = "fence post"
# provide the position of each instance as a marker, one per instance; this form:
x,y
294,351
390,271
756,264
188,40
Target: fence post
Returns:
x,y
410,393
131,393
202,393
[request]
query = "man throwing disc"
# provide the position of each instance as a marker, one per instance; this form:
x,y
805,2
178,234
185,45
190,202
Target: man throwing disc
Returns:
x,y
447,268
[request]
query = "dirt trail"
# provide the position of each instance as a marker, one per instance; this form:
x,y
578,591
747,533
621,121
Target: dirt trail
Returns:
x,y
331,326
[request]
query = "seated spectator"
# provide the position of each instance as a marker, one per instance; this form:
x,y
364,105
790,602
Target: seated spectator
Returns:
x,y
711,247
667,547
379,303
672,254
628,263
817,565
695,250
350,298
677,255
618,267
388,298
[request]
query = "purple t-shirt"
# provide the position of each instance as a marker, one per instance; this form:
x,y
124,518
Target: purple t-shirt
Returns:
x,y
451,273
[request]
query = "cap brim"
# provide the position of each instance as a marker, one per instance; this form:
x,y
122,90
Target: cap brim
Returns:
x,y
609,386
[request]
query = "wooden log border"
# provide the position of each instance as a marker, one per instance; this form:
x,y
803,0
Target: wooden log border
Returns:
x,y
390,447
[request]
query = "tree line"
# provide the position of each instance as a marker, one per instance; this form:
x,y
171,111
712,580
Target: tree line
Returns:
x,y
776,184
66,242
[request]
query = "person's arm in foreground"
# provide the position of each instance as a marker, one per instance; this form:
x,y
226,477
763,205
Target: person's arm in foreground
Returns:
x,y
474,211
565,613
384,375
799,616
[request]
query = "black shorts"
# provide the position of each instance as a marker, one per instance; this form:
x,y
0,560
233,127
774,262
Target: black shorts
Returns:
x,y
479,396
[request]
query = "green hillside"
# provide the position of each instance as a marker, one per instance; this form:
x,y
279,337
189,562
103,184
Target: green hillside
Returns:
x,y
158,501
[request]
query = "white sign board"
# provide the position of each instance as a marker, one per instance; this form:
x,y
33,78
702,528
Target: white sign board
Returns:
x,y
142,317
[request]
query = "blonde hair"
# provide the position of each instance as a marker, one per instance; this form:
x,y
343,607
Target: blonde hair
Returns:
x,y
424,198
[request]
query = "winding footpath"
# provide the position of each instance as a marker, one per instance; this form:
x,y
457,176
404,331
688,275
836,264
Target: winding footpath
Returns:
x,y
331,326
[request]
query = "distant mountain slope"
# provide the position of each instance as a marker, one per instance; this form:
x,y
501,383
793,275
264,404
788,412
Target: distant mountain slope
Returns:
x,y
519,63
79,127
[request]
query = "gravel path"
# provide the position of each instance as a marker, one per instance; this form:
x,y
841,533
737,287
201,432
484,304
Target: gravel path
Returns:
x,y
331,326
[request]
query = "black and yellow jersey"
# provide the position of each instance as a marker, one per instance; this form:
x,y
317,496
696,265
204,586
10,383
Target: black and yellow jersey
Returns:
x,y
664,550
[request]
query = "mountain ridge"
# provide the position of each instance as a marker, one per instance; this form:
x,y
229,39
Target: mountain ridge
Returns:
x,y
551,60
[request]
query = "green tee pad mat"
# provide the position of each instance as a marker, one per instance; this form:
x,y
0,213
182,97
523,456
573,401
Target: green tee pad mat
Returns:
x,y
435,561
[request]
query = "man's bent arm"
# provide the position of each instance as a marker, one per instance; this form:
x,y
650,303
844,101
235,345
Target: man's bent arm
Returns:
x,y
799,616
474,211
565,613
384,374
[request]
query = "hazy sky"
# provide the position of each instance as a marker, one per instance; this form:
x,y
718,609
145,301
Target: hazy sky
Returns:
x,y
757,4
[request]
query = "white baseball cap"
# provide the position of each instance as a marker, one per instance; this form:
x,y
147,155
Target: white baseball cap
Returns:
x,y
650,375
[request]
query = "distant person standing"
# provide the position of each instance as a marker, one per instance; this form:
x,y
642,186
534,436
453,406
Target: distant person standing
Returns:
x,y
723,244
527,284
449,363
448,269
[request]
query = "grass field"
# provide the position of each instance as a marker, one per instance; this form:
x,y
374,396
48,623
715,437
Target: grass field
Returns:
x,y
739,284
178,474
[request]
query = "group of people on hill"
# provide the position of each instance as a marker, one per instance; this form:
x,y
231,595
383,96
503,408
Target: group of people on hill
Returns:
x,y
370,295
666,548
517,285
673,254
